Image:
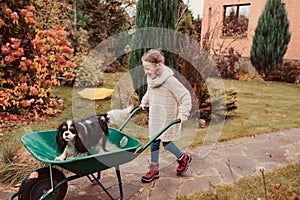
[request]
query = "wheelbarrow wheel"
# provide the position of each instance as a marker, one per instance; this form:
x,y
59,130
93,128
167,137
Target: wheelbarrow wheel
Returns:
x,y
38,183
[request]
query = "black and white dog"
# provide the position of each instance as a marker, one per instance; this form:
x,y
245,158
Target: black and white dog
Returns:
x,y
79,138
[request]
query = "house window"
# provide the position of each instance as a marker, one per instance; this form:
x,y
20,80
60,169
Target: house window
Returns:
x,y
236,19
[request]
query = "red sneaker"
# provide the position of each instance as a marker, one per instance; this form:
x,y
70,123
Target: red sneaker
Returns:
x,y
152,174
184,162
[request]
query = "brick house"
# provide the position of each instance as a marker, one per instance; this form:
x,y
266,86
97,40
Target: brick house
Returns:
x,y
216,13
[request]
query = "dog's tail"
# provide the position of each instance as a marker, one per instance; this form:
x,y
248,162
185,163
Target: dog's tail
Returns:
x,y
118,116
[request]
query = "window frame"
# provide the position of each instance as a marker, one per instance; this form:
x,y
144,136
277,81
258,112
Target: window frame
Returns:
x,y
237,7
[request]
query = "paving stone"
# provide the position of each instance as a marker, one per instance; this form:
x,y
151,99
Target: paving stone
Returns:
x,y
4,195
222,168
165,188
199,184
241,165
245,156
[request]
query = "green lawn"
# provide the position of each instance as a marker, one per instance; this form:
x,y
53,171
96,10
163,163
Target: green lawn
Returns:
x,y
262,108
252,187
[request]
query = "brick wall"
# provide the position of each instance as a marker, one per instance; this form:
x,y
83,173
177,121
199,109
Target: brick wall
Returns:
x,y
213,20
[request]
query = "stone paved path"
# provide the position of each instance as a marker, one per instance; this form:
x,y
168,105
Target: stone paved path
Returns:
x,y
245,156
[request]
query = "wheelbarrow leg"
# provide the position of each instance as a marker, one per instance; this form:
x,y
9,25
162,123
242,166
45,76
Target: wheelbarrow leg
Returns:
x,y
92,179
119,183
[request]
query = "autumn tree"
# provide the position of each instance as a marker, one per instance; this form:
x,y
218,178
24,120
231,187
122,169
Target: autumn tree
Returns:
x,y
101,19
271,38
30,58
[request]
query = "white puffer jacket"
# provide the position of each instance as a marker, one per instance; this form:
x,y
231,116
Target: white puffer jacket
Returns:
x,y
167,100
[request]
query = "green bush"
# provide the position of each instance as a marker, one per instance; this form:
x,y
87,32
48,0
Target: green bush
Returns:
x,y
230,105
101,19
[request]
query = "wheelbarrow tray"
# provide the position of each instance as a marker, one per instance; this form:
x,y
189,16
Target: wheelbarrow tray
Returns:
x,y
42,145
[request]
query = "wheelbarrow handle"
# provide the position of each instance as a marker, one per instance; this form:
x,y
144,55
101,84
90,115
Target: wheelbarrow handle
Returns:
x,y
151,140
129,117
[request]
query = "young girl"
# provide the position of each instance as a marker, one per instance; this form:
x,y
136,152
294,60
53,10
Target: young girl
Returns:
x,y
167,100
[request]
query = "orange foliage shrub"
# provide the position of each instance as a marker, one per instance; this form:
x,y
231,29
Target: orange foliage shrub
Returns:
x,y
29,62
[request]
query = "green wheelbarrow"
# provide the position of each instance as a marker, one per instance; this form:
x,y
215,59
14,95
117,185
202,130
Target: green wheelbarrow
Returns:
x,y
50,183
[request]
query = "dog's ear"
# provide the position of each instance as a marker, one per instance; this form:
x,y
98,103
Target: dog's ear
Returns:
x,y
104,118
103,121
61,143
79,146
81,139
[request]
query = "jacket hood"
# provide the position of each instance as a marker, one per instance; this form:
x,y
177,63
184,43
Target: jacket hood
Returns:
x,y
159,80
